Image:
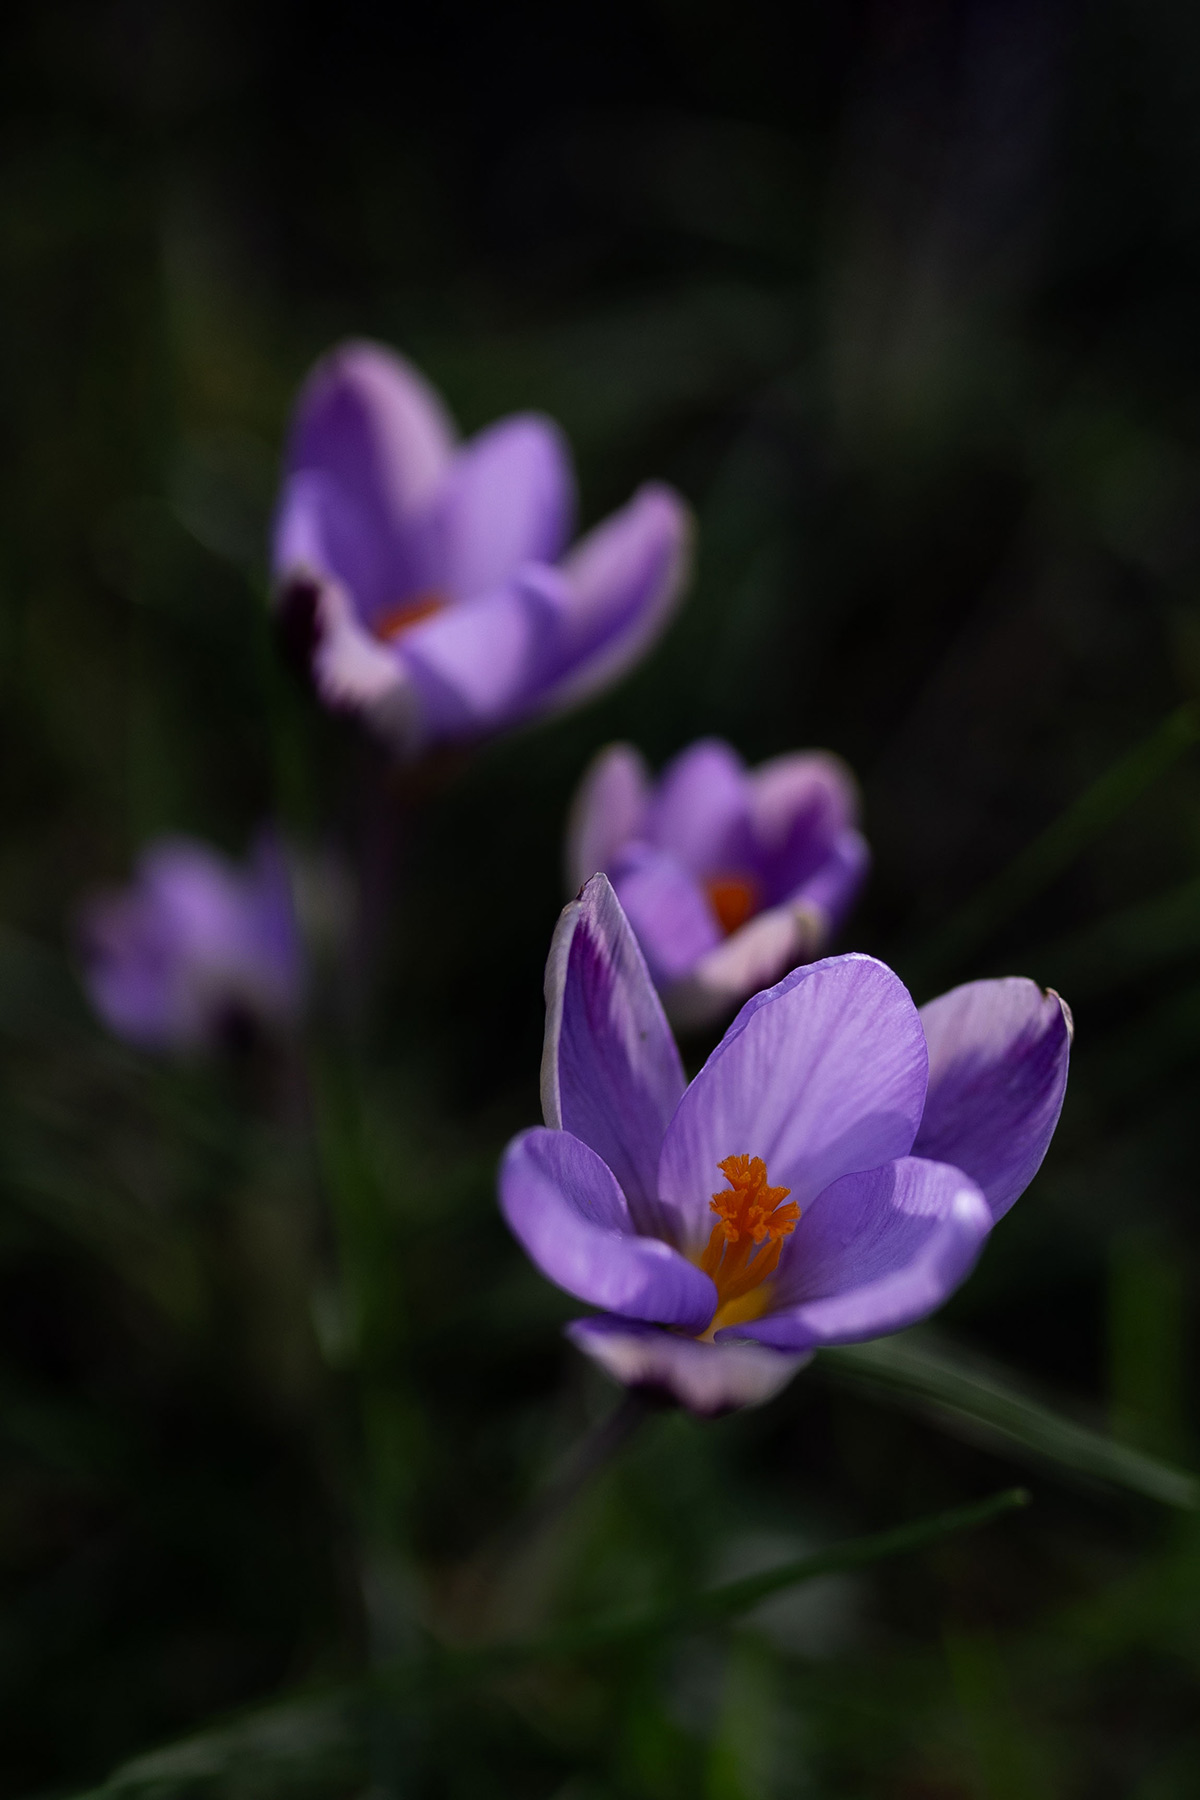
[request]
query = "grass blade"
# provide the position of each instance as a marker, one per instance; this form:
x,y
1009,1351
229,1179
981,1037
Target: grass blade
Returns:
x,y
955,1387
1053,852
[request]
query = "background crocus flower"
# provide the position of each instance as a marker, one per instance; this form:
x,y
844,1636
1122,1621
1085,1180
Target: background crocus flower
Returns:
x,y
829,1176
428,585
197,950
729,876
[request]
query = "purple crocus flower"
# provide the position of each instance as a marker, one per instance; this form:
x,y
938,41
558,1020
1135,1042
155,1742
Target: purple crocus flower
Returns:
x,y
729,876
428,585
829,1176
196,950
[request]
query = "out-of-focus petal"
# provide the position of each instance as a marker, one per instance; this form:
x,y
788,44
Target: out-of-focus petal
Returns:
x,y
565,1209
366,417
822,1076
610,1069
607,811
709,1379
830,891
670,914
509,499
799,804
750,959
483,663
875,1252
350,669
998,1054
323,531
701,810
626,577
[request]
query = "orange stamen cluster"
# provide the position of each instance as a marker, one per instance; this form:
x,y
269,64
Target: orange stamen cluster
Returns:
x,y
746,1241
394,621
734,899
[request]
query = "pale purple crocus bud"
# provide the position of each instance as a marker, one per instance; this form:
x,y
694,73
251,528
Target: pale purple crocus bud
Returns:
x,y
197,952
729,876
830,1176
430,586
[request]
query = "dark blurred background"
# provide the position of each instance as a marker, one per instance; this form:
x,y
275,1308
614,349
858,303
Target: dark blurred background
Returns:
x,y
905,298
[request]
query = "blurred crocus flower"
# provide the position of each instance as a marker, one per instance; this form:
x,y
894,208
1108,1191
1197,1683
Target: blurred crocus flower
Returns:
x,y
729,876
829,1176
428,585
197,952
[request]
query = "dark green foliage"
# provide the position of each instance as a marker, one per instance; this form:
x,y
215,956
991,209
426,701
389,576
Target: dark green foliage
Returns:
x,y
904,298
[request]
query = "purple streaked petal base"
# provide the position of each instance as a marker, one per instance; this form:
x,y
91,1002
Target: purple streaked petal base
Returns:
x,y
610,1068
708,1379
875,1252
564,1208
998,1054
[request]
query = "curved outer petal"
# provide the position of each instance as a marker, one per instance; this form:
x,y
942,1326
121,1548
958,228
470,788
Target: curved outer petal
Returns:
x,y
610,1069
709,1379
876,1252
565,1209
822,1076
626,577
830,891
799,804
349,668
325,531
368,419
509,499
751,958
484,663
998,1053
669,912
701,809
607,811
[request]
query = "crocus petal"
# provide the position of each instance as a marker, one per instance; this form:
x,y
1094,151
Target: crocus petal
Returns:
x,y
701,810
350,669
709,1379
484,663
565,1209
998,1053
830,891
751,958
509,499
799,803
876,1252
368,419
606,812
822,1076
610,1069
625,579
670,913
323,531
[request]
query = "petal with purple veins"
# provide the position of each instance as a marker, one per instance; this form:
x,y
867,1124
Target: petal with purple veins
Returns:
x,y
566,1210
998,1054
708,1379
611,1072
875,1252
822,1076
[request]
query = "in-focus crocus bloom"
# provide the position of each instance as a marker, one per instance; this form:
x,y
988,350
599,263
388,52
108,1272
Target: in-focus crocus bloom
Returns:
x,y
196,951
428,585
829,1176
729,876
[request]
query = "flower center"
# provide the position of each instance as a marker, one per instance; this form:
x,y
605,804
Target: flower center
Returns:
x,y
743,1249
734,899
395,620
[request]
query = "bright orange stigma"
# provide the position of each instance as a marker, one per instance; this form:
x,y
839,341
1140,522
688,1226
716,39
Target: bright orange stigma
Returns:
x,y
394,621
744,1247
734,899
